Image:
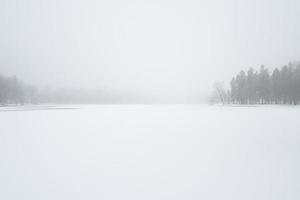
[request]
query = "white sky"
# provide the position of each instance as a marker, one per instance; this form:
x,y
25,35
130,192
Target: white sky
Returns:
x,y
162,50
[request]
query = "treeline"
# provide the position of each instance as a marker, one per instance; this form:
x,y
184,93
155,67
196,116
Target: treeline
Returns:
x,y
13,91
281,86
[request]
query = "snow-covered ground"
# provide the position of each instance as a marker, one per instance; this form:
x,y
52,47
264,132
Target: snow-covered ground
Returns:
x,y
157,152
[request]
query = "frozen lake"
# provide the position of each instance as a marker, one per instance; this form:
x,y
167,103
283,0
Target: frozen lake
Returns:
x,y
150,152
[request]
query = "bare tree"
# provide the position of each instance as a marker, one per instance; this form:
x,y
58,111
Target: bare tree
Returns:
x,y
219,94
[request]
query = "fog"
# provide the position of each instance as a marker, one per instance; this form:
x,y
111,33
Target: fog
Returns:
x,y
152,51
104,99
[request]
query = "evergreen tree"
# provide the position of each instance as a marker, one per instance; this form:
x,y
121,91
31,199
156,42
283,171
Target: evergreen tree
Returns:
x,y
276,87
241,88
251,88
281,87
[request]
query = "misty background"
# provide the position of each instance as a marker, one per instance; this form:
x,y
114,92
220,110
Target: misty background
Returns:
x,y
145,51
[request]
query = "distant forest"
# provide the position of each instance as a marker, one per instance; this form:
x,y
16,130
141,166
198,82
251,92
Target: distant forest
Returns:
x,y
282,86
16,92
13,91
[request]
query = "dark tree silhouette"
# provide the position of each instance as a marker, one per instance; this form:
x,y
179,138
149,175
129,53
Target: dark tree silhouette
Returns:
x,y
12,91
261,87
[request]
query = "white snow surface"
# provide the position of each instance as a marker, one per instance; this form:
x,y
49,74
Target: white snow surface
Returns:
x,y
157,152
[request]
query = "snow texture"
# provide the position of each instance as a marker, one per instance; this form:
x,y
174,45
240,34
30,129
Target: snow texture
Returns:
x,y
150,152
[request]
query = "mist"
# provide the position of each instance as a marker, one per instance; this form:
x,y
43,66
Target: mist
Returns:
x,y
145,51
149,100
